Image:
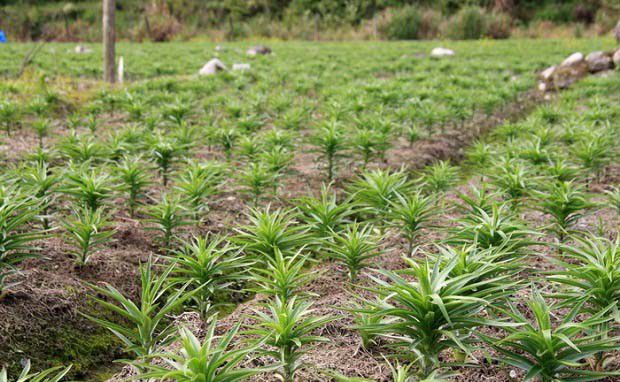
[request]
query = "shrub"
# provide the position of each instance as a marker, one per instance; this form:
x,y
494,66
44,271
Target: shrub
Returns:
x,y
287,328
549,350
86,233
438,177
166,217
270,231
566,203
468,24
430,24
354,247
53,374
15,241
255,179
324,215
209,266
375,190
164,152
498,25
556,13
428,311
90,188
145,324
405,24
412,213
283,277
613,196
277,160
197,186
213,359
159,24
134,180
41,183
591,269
494,229
409,23
330,143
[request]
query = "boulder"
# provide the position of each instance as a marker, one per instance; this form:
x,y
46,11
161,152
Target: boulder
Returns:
x,y
564,76
546,78
599,61
547,74
616,58
441,52
212,67
82,49
573,59
258,49
241,67
573,68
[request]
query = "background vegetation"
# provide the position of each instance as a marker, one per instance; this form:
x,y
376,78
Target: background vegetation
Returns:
x,y
162,20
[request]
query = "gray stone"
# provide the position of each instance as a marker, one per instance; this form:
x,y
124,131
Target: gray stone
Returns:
x,y
599,61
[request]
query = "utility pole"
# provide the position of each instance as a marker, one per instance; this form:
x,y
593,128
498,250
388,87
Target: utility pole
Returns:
x,y
109,41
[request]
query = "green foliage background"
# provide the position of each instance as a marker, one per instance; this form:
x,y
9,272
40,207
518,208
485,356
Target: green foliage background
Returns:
x,y
80,19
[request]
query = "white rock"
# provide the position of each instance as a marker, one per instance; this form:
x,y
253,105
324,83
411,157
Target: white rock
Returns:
x,y
82,49
241,67
513,374
548,73
219,48
573,59
616,58
212,67
441,52
598,61
542,86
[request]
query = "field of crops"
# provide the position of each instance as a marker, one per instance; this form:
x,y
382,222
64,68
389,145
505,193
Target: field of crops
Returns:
x,y
338,212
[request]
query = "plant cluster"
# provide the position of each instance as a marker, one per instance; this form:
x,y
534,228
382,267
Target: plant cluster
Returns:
x,y
206,177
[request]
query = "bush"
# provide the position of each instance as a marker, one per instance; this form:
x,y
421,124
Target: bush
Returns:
x,y
556,13
472,23
605,21
158,24
431,22
468,24
498,25
405,24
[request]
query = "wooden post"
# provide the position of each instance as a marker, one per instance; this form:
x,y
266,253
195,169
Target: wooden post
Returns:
x,y
109,41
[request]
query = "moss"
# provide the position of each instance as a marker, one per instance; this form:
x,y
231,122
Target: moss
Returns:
x,y
86,350
63,339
